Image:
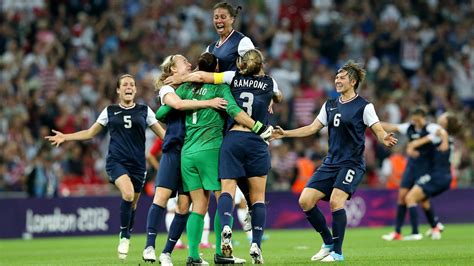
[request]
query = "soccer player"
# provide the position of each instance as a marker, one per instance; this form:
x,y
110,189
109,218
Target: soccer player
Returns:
x,y
231,45
347,118
243,155
168,180
200,154
416,167
126,164
438,179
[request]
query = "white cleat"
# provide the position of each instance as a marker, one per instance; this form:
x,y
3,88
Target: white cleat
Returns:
x,y
392,236
248,222
256,254
332,257
165,259
439,227
413,237
436,235
323,252
226,241
122,249
149,254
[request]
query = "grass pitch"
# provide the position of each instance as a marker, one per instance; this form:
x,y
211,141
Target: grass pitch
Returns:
x,y
362,246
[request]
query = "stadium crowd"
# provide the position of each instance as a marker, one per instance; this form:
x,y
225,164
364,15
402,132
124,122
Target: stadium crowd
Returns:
x,y
59,61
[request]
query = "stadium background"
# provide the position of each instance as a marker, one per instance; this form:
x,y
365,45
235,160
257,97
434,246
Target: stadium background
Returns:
x,y
59,62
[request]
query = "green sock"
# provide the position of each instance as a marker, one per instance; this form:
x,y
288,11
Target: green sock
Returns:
x,y
194,228
217,231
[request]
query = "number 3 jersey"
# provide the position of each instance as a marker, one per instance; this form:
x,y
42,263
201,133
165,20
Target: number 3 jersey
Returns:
x,y
127,133
252,93
346,122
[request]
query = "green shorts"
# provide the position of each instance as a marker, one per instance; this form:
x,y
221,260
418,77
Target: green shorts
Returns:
x,y
200,170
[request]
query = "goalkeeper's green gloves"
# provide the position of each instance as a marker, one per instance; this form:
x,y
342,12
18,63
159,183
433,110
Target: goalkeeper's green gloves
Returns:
x,y
265,131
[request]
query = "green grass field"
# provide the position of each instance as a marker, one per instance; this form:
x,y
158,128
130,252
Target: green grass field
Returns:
x,y
284,247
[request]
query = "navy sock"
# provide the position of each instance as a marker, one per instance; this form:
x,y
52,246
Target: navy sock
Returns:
x,y
176,229
317,220
431,217
413,219
125,213
132,221
155,214
225,206
259,216
339,221
401,212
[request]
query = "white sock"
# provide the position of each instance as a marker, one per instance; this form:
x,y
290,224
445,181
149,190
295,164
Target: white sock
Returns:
x,y
168,220
241,213
205,232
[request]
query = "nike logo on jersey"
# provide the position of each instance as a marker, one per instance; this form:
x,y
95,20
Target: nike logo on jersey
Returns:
x,y
116,113
332,109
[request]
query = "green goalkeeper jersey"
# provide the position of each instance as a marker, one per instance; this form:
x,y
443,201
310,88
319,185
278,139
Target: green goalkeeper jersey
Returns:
x,y
204,127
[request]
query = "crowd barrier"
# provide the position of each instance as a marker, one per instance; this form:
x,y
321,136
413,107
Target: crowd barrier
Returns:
x,y
27,218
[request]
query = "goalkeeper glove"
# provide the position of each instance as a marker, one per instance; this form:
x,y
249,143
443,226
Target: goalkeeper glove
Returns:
x,y
265,131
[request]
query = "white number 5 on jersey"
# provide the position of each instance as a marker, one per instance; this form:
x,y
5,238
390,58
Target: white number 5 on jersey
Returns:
x,y
127,120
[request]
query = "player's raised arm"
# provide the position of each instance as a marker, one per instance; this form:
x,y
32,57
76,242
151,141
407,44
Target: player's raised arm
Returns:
x,y
59,137
382,136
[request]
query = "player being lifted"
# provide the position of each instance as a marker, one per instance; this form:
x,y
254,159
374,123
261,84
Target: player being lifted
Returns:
x,y
200,154
126,164
243,155
347,118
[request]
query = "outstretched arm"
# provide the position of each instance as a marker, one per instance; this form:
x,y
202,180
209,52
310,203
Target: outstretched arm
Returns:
x,y
158,130
390,127
382,136
198,76
305,131
173,100
59,137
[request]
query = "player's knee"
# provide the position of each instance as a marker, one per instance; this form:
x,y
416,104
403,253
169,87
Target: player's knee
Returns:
x,y
305,203
336,204
128,195
182,208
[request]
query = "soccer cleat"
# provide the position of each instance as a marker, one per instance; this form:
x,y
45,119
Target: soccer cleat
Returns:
x,y
333,256
122,249
439,226
248,222
226,242
180,245
221,260
149,254
256,254
392,236
165,259
323,252
413,237
436,234
191,261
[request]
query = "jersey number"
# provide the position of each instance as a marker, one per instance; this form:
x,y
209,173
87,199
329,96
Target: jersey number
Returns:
x,y
248,103
337,120
349,176
195,115
127,120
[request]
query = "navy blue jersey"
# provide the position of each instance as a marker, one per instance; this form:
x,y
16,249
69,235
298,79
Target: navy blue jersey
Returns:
x,y
253,94
228,51
346,122
175,131
127,133
441,160
420,165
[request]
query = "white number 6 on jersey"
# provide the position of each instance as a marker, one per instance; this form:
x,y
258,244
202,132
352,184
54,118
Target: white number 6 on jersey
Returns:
x,y
337,120
127,119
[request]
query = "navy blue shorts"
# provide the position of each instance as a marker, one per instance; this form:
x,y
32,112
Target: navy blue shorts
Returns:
x,y
412,173
344,178
243,154
434,184
116,169
169,173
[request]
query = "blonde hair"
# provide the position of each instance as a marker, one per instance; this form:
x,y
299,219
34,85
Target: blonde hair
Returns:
x,y
355,72
250,63
166,66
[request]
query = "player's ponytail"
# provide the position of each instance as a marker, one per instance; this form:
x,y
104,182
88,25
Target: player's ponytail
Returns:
x,y
355,72
165,71
251,62
233,12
